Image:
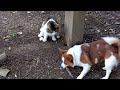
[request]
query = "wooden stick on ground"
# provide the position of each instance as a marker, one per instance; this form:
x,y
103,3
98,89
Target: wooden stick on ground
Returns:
x,y
69,72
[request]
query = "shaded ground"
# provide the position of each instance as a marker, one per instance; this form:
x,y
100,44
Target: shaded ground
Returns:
x,y
28,58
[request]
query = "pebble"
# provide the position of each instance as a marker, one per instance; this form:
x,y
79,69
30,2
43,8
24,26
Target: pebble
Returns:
x,y
6,40
9,48
86,19
19,33
4,18
60,78
42,12
105,30
15,12
6,37
15,75
107,24
28,12
117,23
98,31
111,29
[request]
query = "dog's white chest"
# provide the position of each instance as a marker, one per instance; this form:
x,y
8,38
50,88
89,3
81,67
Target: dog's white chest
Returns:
x,y
76,53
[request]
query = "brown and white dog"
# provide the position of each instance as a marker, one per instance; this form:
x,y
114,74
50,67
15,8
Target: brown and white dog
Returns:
x,y
85,55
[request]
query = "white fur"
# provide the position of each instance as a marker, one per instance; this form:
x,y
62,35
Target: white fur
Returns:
x,y
63,65
110,63
76,53
86,68
43,32
110,40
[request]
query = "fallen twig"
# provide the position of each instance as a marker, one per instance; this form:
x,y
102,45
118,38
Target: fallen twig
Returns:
x,y
69,72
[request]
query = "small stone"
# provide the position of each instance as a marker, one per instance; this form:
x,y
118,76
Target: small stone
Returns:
x,y
59,18
43,12
86,19
112,17
98,31
60,78
5,22
111,29
117,23
6,37
4,18
15,12
6,40
48,66
19,33
15,75
105,30
9,48
107,24
28,12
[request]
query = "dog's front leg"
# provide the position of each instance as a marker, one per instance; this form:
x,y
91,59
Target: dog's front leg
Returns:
x,y
85,70
45,37
40,34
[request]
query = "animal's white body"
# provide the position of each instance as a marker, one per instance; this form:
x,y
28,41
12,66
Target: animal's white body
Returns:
x,y
44,34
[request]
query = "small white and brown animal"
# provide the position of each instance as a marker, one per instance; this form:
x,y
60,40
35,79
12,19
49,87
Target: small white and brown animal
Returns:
x,y
106,49
50,28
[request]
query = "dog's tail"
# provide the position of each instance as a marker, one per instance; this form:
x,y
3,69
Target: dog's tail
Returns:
x,y
114,41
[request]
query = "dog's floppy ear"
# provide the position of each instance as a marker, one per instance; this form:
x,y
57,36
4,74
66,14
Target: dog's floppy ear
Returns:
x,y
62,51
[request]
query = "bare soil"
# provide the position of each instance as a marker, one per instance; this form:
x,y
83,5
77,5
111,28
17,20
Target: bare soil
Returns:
x,y
28,58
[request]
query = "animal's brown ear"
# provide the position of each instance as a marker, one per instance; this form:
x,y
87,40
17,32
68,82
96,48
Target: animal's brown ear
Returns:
x,y
69,58
62,51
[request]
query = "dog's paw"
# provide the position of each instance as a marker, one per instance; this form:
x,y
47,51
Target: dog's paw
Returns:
x,y
41,38
104,78
39,35
79,77
103,68
57,36
54,39
44,40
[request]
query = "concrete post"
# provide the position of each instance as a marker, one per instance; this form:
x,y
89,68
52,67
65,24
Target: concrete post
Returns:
x,y
74,26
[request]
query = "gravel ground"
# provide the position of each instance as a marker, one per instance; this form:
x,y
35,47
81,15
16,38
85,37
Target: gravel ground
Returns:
x,y
28,58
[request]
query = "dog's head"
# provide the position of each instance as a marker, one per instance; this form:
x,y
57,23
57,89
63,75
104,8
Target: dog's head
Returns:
x,y
67,59
51,25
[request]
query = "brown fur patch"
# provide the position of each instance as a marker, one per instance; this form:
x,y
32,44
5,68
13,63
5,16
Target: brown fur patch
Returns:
x,y
85,59
99,50
68,59
91,52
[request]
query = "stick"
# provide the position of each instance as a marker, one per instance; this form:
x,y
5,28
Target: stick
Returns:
x,y
69,72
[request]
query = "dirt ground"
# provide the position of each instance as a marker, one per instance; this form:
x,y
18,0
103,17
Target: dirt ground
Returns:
x,y
28,58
